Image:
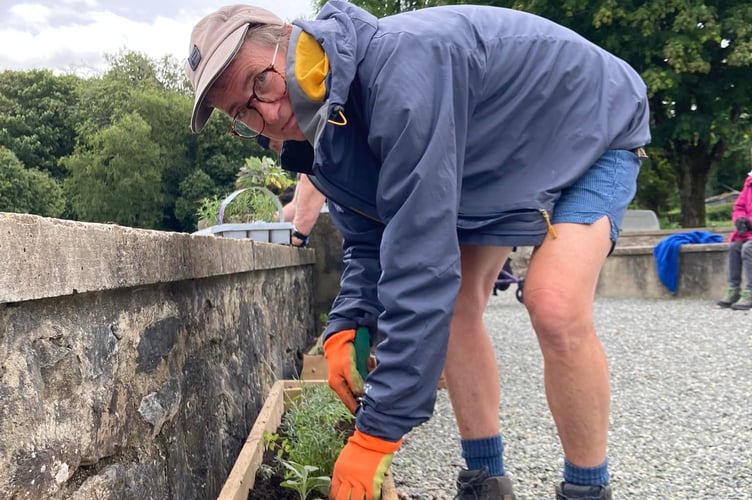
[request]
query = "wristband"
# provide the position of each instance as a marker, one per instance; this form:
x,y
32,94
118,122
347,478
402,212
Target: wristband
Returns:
x,y
303,237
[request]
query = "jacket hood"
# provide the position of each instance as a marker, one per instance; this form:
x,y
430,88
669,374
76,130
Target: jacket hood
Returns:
x,y
343,32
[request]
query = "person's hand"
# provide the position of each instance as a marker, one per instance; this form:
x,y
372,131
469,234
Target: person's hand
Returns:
x,y
299,239
742,224
360,468
343,378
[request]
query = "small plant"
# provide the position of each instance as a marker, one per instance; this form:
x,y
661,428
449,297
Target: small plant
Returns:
x,y
312,434
266,471
208,211
263,172
316,427
301,479
248,206
251,205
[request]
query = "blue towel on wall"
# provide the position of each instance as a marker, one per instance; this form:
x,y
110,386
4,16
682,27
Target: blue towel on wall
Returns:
x,y
666,254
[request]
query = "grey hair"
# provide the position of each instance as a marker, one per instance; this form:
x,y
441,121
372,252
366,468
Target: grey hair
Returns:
x,y
267,35
264,35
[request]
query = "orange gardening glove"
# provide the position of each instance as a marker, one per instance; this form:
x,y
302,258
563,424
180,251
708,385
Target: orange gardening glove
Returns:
x,y
344,379
359,470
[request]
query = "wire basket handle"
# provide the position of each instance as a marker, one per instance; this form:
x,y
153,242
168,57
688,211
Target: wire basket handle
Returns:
x,y
226,201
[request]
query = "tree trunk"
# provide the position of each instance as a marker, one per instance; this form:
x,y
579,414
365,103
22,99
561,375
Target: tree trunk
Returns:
x,y
694,166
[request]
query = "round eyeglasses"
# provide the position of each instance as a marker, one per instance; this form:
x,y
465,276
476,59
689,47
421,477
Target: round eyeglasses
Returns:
x,y
268,86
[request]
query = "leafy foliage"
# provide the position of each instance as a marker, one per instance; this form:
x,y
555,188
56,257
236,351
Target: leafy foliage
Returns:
x,y
116,176
656,185
191,166
695,57
381,8
263,172
302,480
194,189
37,116
263,179
27,190
256,204
313,427
720,213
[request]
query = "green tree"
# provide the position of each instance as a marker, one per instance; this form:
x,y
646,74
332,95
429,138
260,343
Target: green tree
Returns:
x,y
696,59
157,91
37,117
116,175
382,8
656,185
27,190
193,188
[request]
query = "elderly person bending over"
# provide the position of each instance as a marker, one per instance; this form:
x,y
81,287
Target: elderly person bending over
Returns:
x,y
443,138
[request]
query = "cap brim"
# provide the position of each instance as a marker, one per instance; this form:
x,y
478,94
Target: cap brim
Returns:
x,y
216,64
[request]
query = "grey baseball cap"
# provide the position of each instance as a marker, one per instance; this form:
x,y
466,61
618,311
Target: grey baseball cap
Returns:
x,y
214,42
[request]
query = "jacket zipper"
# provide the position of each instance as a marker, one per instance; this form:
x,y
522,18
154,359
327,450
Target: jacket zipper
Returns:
x,y
547,218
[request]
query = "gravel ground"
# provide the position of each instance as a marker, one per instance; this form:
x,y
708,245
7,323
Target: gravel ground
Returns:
x,y
681,418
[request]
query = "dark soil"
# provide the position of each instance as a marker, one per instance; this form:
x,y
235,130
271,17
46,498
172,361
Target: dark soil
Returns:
x,y
268,488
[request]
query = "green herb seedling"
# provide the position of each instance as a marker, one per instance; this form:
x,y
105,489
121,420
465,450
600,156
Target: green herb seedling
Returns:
x,y
301,479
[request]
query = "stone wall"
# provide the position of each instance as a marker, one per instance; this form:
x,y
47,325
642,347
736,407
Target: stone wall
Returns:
x,y
133,363
327,242
630,272
643,238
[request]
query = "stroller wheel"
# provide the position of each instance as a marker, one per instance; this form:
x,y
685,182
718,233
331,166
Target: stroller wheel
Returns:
x,y
518,293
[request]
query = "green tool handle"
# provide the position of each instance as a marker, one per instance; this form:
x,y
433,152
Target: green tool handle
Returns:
x,y
362,350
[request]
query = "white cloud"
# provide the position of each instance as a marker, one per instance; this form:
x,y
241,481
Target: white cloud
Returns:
x,y
78,33
85,3
29,16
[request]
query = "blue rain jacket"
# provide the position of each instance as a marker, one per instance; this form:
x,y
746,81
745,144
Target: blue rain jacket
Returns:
x,y
463,125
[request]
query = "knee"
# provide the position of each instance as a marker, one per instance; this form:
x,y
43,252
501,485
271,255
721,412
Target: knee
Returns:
x,y
747,250
469,306
562,324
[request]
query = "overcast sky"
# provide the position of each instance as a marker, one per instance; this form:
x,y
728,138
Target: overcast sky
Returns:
x,y
65,35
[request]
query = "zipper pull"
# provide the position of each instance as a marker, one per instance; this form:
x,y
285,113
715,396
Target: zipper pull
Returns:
x,y
337,116
550,226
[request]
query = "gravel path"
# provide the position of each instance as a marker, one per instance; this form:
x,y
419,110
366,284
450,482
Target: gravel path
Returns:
x,y
681,419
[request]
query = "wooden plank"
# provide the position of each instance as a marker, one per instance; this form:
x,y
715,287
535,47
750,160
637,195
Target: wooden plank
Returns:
x,y
314,367
243,474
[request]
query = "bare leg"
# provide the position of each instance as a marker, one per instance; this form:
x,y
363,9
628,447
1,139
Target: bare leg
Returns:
x,y
471,372
559,293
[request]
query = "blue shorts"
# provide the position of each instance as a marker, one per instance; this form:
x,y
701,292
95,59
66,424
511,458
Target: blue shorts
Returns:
x,y
605,189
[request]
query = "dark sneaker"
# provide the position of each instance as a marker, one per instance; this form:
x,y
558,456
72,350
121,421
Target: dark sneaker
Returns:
x,y
732,295
745,301
568,491
476,485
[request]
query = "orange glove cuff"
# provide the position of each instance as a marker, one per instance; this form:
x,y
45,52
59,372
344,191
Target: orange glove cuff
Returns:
x,y
373,443
360,469
338,341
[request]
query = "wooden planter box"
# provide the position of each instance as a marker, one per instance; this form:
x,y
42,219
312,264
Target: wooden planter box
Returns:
x,y
243,474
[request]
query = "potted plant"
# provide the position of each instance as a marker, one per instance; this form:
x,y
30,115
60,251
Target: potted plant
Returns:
x,y
310,440
253,210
